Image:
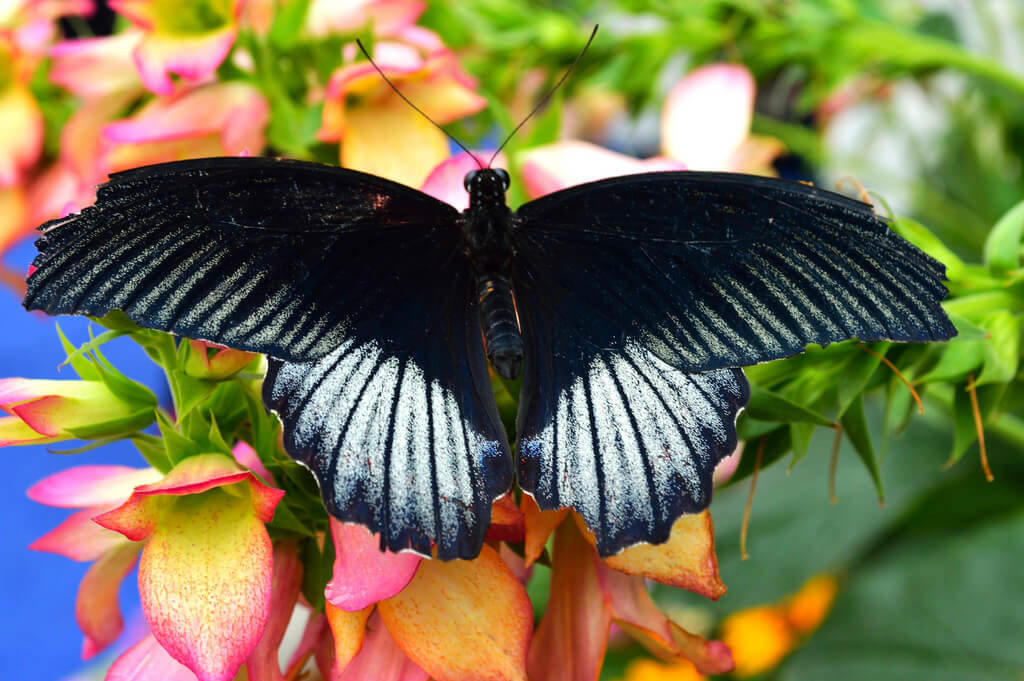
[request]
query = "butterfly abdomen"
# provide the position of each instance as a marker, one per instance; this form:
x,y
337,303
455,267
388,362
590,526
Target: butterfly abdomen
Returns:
x,y
500,324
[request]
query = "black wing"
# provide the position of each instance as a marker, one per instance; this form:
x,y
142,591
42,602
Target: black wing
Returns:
x,y
358,286
280,257
413,446
632,281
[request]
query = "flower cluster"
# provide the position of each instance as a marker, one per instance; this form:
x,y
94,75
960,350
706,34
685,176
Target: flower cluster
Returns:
x,y
231,538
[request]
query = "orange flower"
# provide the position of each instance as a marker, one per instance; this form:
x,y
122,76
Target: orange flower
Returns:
x,y
21,121
381,134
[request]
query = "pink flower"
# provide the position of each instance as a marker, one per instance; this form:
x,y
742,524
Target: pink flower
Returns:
x,y
386,17
223,119
52,410
214,362
589,594
401,617
206,572
706,122
190,40
95,490
97,67
705,125
381,134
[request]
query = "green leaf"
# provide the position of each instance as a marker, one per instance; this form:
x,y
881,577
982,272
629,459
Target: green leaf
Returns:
x,y
856,375
855,426
153,451
177,446
289,17
776,444
936,607
1001,348
137,420
1002,247
191,391
82,351
920,236
958,359
81,365
800,434
319,566
965,329
766,405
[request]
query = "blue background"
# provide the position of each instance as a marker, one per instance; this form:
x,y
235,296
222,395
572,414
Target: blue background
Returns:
x,y
39,638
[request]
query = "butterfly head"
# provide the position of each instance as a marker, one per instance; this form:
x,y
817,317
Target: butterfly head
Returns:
x,y
486,185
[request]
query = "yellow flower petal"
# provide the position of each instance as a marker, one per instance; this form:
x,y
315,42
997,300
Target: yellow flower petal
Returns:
x,y
687,560
392,141
463,620
348,630
807,608
758,637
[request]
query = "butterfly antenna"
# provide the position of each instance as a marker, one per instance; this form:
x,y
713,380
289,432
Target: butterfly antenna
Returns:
x,y
544,100
416,108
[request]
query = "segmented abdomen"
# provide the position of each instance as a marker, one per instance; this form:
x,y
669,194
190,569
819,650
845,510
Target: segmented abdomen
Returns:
x,y
500,324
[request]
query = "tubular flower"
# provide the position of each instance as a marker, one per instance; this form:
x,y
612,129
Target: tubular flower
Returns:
x,y
223,119
214,362
51,410
363,113
188,38
403,618
206,572
589,594
94,490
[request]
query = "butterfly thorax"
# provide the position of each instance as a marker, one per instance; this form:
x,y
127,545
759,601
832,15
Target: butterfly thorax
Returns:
x,y
487,225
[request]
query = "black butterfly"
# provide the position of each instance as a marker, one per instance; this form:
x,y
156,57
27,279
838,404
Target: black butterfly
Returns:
x,y
630,302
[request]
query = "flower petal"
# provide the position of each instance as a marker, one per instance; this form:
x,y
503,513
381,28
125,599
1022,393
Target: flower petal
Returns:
x,y
445,181
635,613
262,664
461,620
539,526
570,642
707,116
79,538
571,162
687,560
348,629
95,67
247,456
96,607
14,431
506,521
316,626
380,659
21,133
137,517
146,661
363,574
759,637
392,141
86,486
194,58
205,581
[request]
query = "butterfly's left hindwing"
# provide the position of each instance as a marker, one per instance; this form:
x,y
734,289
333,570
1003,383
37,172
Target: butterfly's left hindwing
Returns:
x,y
407,444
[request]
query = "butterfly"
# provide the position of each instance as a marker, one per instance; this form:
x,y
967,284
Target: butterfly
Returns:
x,y
628,306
